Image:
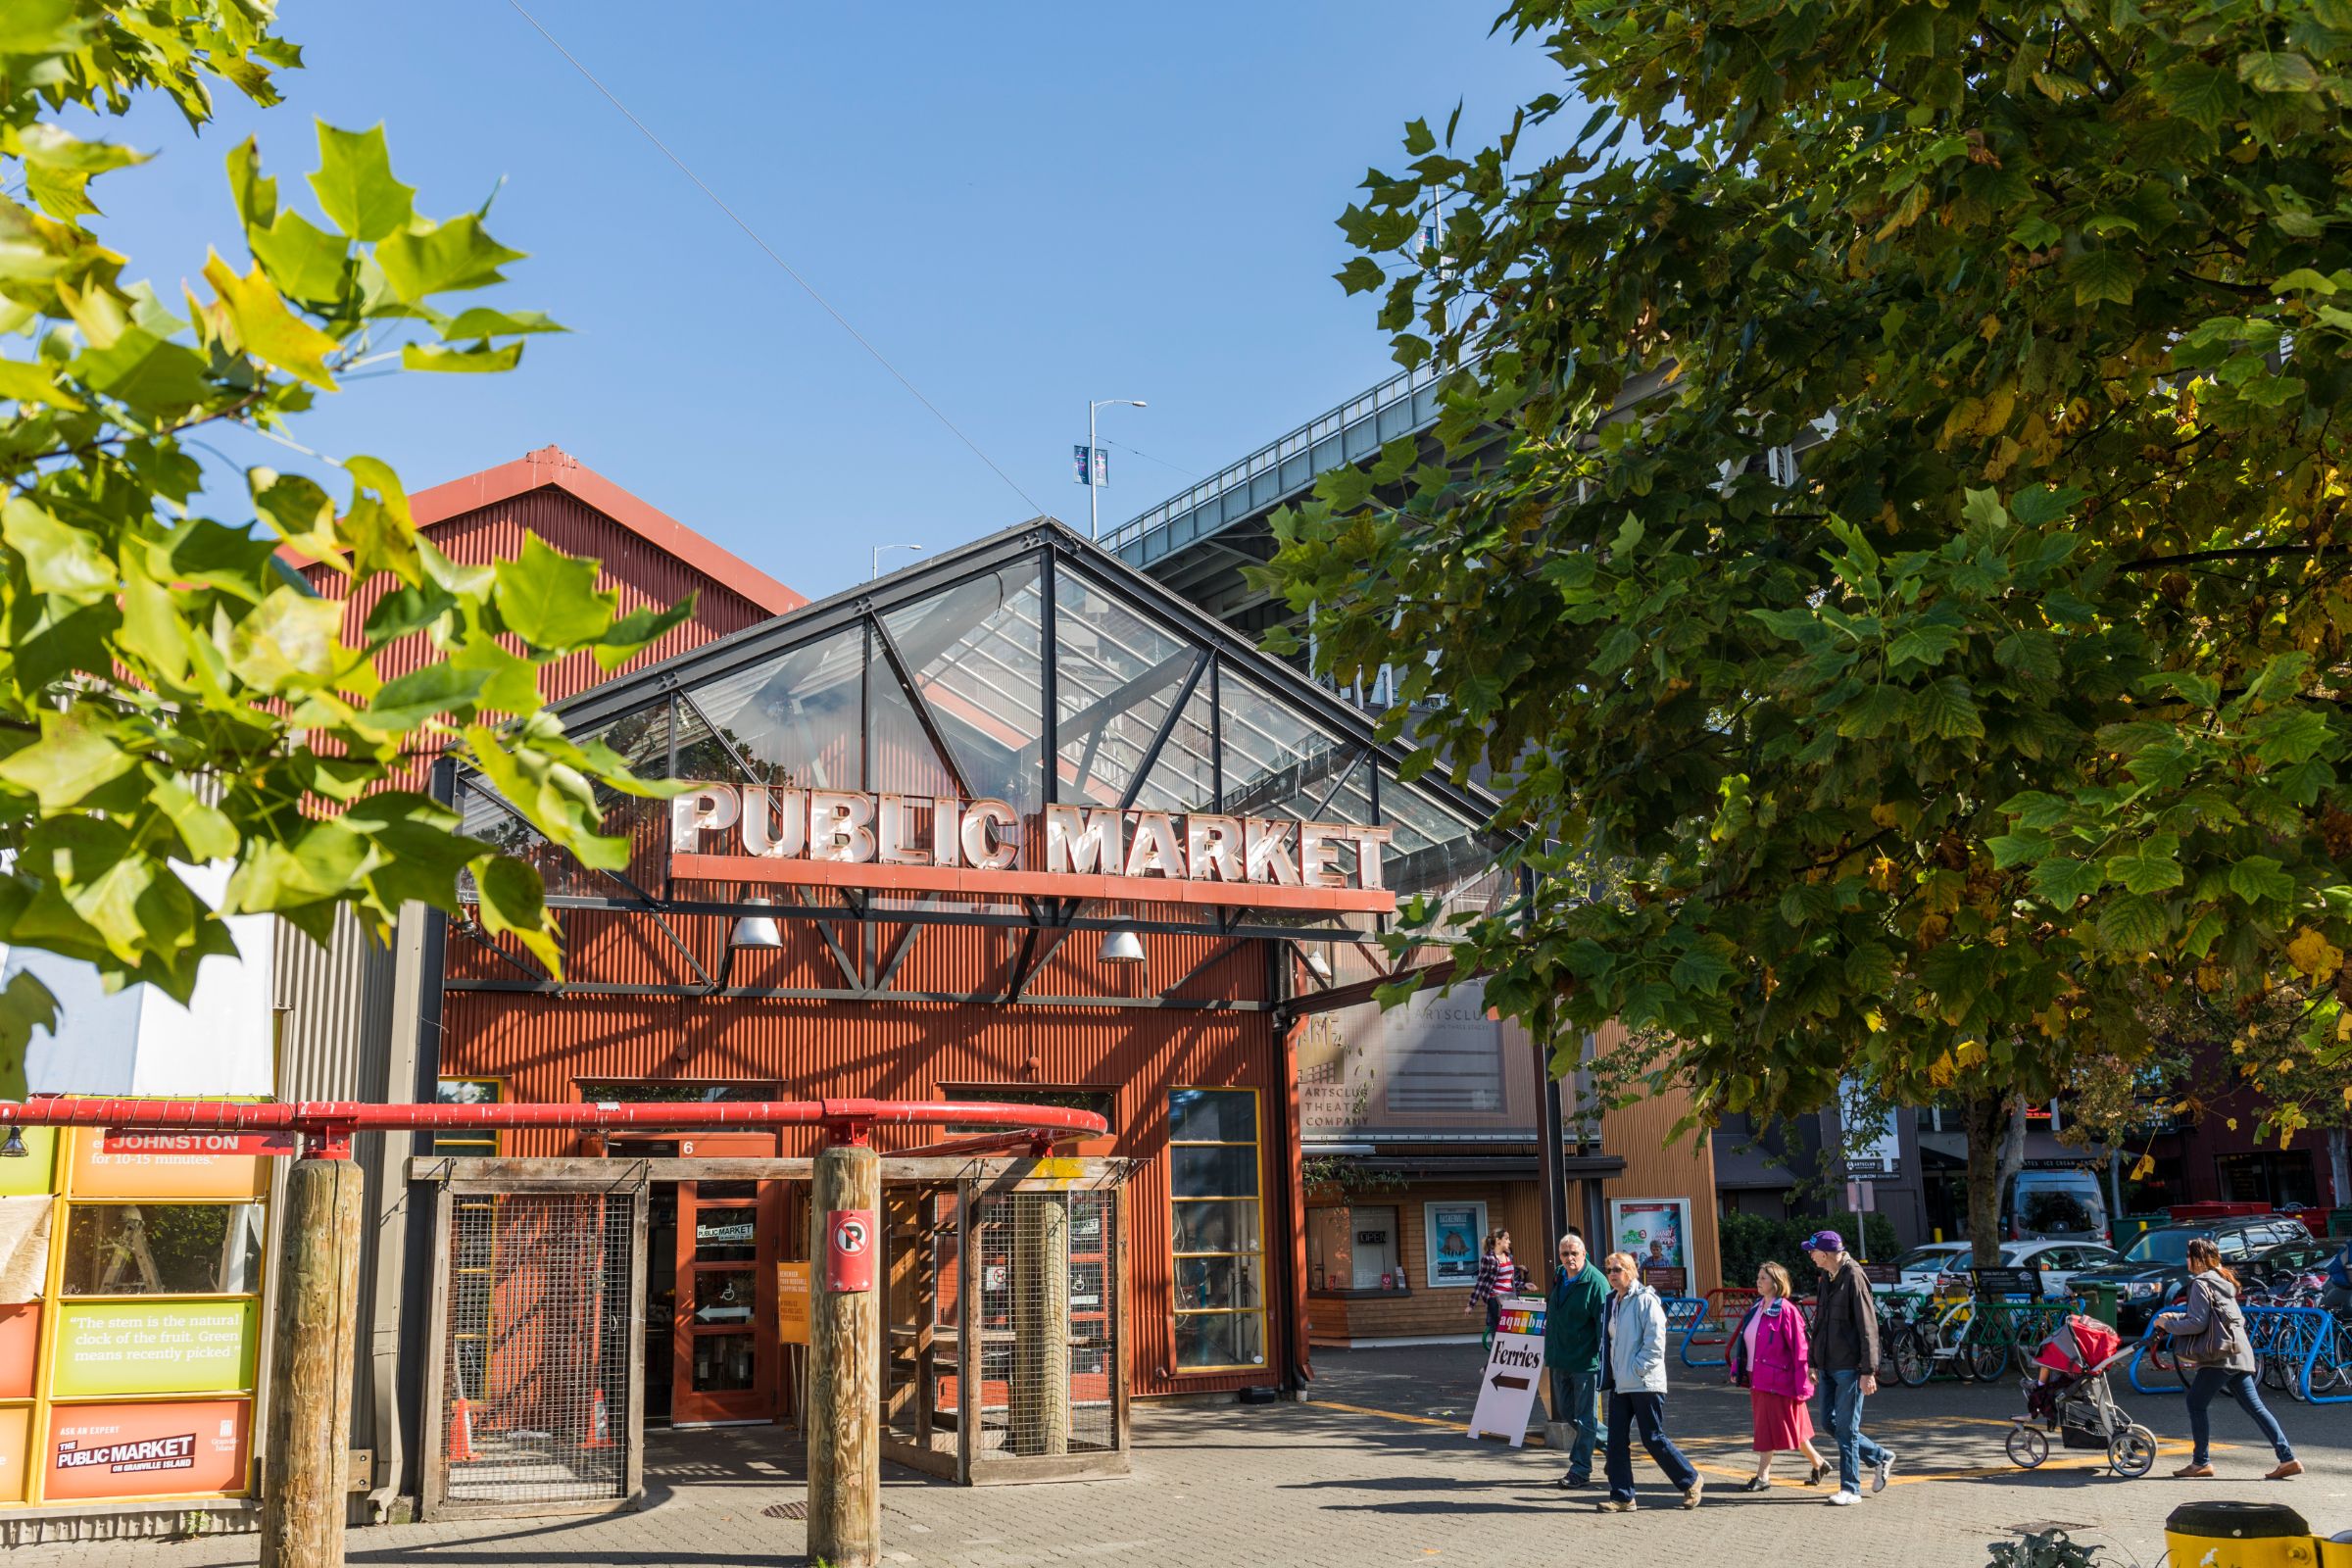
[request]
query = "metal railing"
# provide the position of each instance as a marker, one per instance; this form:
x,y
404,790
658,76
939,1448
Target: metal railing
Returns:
x,y
2303,1352
1357,411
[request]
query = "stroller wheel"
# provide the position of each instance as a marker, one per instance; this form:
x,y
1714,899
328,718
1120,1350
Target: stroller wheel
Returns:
x,y
2132,1453
2028,1447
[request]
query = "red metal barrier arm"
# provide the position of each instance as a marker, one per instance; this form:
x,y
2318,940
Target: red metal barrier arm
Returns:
x,y
326,1125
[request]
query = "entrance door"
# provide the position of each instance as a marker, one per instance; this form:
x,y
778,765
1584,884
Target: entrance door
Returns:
x,y
725,1320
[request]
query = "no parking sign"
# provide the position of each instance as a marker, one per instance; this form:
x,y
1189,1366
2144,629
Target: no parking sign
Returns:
x,y
850,1249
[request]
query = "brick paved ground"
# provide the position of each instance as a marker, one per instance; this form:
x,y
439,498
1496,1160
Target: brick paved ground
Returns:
x,y
1329,1484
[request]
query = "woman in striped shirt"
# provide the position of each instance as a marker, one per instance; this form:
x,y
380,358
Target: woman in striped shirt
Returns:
x,y
1497,1277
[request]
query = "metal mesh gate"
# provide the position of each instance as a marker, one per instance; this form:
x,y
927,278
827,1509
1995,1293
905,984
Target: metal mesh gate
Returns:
x,y
1002,1337
1045,1335
535,1337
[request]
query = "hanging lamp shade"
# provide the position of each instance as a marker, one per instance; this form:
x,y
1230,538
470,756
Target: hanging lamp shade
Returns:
x,y
756,930
1122,946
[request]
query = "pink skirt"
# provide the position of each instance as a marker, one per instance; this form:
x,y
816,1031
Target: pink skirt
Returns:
x,y
1782,1423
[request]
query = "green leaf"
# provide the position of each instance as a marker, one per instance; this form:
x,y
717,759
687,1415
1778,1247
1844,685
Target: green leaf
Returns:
x,y
419,262
1418,138
2037,233
302,259
204,830
2278,72
58,558
256,193
2017,848
2134,925
639,629
410,701
1946,709
513,902
33,384
1703,969
40,28
26,1005
2149,867
287,642
425,357
355,183
551,600
68,763
2065,881
2104,274
1360,275
482,321
2201,94
267,329
2258,878
509,682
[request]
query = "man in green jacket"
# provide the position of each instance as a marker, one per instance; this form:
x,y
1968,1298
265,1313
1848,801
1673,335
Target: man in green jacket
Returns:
x,y
1572,1352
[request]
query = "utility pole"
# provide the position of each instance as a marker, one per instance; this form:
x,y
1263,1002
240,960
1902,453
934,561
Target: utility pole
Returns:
x,y
1093,491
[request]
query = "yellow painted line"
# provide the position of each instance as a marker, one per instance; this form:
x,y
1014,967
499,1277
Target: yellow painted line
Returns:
x,y
1393,1415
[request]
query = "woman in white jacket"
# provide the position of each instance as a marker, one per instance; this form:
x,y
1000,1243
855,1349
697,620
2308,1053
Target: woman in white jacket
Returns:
x,y
1633,1373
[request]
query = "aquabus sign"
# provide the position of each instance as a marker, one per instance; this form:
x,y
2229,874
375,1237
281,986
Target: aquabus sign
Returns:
x,y
852,838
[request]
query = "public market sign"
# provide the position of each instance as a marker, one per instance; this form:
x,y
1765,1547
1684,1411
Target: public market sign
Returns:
x,y
917,841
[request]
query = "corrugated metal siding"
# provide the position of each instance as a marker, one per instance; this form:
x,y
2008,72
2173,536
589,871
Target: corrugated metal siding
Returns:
x,y
542,1045
642,573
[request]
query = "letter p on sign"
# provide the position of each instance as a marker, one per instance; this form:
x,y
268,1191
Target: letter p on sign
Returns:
x,y
850,1249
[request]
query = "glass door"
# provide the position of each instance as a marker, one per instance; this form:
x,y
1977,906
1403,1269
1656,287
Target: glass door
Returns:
x,y
725,1319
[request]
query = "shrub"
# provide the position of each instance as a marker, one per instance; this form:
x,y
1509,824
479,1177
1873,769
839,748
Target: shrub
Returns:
x,y
1750,1240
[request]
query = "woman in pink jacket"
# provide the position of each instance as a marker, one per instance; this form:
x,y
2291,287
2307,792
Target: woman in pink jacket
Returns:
x,y
1769,1357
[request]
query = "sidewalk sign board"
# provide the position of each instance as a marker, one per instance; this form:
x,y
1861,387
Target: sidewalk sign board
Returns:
x,y
1514,1370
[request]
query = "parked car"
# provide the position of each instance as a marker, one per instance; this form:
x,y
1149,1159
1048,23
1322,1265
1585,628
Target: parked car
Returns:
x,y
2154,1267
1921,1267
1944,1265
2054,1205
2060,1262
2307,1255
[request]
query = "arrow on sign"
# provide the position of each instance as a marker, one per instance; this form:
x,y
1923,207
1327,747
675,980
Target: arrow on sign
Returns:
x,y
1502,1382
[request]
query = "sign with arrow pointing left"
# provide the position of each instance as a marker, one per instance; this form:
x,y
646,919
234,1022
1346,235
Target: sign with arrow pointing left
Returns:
x,y
1507,1390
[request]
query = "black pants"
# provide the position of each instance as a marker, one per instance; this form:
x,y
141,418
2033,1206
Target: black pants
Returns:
x,y
1646,1414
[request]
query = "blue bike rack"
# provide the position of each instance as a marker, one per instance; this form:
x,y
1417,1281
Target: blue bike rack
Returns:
x,y
2308,1330
1683,1315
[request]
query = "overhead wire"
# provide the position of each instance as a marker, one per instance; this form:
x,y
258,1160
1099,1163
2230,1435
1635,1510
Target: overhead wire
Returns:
x,y
788,269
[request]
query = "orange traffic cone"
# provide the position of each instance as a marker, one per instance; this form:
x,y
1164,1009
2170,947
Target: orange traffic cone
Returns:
x,y
600,1423
461,1432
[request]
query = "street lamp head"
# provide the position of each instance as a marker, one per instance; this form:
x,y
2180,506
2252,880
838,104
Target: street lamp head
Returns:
x,y
1138,403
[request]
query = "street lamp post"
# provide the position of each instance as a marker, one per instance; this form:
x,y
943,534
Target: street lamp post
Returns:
x,y
1093,491
878,549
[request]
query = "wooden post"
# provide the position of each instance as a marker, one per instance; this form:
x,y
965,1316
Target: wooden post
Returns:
x,y
1041,1323
844,1357
309,1434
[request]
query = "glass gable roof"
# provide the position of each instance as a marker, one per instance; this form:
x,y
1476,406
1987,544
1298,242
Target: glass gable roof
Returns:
x,y
1030,669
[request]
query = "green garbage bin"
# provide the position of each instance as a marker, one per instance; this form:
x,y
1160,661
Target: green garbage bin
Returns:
x,y
2102,1299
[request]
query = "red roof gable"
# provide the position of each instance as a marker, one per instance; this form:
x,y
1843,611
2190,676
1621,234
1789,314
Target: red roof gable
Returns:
x,y
553,465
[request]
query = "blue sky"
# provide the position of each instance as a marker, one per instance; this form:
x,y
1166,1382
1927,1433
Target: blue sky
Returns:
x,y
1023,206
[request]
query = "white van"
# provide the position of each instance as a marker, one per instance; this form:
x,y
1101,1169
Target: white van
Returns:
x,y
2056,1206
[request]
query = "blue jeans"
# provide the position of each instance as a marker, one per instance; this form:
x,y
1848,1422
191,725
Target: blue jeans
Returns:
x,y
2209,1381
1842,1416
1576,1401
1645,1412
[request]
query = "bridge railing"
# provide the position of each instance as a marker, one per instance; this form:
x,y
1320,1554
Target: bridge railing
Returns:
x,y
1364,406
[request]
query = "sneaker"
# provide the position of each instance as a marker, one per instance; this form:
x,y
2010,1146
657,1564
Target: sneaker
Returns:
x,y
1877,1479
1570,1483
1690,1493
1612,1505
1842,1499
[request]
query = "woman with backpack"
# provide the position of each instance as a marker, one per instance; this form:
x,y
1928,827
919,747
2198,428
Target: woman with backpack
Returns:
x,y
2209,1334
1770,1358
1497,1277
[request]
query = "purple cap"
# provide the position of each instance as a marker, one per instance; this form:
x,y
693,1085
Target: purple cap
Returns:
x,y
1825,1241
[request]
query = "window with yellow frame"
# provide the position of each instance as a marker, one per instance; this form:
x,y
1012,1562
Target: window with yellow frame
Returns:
x,y
1219,1229
468,1091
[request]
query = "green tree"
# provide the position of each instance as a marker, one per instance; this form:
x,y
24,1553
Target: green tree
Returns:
x,y
170,690
2021,691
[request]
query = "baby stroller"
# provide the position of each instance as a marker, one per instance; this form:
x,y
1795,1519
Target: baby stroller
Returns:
x,y
2070,1396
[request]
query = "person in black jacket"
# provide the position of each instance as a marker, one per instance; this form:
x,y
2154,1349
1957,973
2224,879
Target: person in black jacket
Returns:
x,y
1845,1355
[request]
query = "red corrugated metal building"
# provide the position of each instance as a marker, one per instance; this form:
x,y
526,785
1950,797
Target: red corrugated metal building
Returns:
x,y
1027,675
